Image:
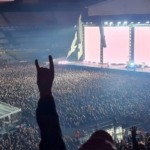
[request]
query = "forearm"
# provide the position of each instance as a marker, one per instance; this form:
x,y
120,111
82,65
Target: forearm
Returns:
x,y
48,121
135,143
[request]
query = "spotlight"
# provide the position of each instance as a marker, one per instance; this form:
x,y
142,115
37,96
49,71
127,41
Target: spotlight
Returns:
x,y
125,22
147,22
119,22
105,23
110,23
132,65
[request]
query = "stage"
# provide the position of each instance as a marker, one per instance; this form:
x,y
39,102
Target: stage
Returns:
x,y
118,67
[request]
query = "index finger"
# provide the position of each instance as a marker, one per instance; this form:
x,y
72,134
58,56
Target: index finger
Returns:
x,y
37,64
51,64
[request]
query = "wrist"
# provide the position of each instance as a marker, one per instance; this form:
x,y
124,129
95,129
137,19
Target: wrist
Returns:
x,y
45,94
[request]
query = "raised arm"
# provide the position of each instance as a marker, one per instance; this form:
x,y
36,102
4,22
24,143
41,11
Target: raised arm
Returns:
x,y
46,115
134,141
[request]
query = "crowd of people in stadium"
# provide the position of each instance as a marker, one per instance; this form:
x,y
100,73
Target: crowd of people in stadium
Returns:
x,y
82,95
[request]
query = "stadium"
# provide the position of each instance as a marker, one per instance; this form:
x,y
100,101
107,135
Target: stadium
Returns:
x,y
101,55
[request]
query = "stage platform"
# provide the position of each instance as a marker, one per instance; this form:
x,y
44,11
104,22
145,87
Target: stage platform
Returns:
x,y
118,67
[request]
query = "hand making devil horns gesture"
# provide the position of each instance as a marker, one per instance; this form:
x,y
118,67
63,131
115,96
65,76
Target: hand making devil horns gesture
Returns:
x,y
45,77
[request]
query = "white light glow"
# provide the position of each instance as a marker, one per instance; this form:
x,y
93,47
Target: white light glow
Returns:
x,y
111,23
105,23
131,65
119,22
125,22
63,62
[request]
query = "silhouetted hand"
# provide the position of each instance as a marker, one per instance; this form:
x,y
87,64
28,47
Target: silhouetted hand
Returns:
x,y
133,131
45,77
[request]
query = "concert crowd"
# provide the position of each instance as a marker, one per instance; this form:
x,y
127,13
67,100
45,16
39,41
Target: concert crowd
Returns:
x,y
83,96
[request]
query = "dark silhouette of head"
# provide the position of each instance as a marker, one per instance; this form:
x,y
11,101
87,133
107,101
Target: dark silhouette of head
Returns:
x,y
99,140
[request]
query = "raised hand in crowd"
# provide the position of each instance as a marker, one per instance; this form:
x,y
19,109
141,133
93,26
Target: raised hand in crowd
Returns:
x,y
45,77
47,117
134,141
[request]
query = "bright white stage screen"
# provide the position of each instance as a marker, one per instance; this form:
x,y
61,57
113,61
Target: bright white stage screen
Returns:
x,y
92,44
117,45
142,45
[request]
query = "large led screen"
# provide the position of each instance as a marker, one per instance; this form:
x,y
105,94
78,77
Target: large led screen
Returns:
x,y
117,45
142,45
92,44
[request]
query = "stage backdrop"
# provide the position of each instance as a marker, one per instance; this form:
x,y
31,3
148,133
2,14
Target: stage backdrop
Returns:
x,y
142,45
92,44
117,45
